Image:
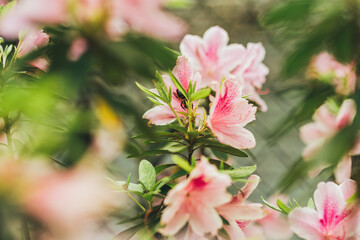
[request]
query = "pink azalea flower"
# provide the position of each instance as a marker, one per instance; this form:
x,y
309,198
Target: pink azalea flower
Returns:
x,y
333,218
239,213
326,124
77,49
229,113
67,201
32,42
325,67
148,17
274,226
195,201
30,15
162,115
211,55
253,73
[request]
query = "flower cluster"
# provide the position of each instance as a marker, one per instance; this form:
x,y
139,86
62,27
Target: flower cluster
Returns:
x,y
232,71
329,119
112,17
325,68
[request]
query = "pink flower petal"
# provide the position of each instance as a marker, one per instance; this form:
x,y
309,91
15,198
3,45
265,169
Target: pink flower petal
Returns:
x,y
348,188
305,223
160,115
346,113
343,169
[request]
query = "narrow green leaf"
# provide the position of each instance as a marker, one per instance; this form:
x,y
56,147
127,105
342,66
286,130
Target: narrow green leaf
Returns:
x,y
175,147
147,174
182,163
128,180
283,207
160,86
161,168
270,205
311,203
178,85
239,173
209,143
202,93
155,101
149,92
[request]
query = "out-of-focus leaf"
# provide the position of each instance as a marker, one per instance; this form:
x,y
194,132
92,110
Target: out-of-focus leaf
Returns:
x,y
303,111
149,153
219,163
288,11
130,232
343,44
147,174
240,173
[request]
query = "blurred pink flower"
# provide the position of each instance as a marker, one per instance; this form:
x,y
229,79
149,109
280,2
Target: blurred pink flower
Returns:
x,y
195,201
334,218
32,42
67,201
162,115
253,72
326,124
148,17
29,15
238,212
326,68
229,113
211,55
77,49
274,226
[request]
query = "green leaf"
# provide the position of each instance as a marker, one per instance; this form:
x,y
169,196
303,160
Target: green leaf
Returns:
x,y
311,203
155,101
128,180
288,11
270,205
182,163
219,163
239,173
149,153
178,85
285,209
208,143
121,186
175,147
147,174
149,92
202,93
160,86
220,155
130,232
161,168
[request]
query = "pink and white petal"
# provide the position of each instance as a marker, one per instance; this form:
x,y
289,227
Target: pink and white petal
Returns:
x,y
205,220
193,48
277,229
348,188
255,97
325,119
235,136
160,115
310,133
305,223
343,169
216,38
183,71
232,56
171,210
234,232
250,186
173,226
346,113
329,201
